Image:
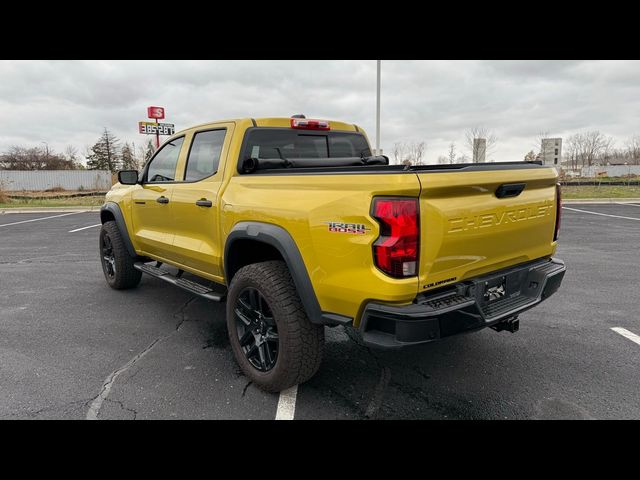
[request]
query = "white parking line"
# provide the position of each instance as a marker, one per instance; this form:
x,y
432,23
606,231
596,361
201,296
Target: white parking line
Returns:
x,y
84,228
631,204
37,219
626,333
287,404
601,214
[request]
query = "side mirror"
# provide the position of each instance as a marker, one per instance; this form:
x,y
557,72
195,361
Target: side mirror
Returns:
x,y
128,177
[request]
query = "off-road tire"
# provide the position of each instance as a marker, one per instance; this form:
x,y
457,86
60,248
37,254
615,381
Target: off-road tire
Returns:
x,y
126,276
300,342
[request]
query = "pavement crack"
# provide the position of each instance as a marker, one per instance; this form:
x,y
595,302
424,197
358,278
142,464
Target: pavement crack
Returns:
x,y
64,406
181,313
96,403
122,407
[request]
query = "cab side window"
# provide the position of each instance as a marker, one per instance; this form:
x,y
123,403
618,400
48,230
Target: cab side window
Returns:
x,y
204,156
163,165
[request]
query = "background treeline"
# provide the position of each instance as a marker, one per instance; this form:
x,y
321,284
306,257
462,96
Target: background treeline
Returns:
x,y
108,153
593,148
583,149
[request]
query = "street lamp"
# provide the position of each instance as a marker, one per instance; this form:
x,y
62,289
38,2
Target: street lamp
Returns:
x,y
378,152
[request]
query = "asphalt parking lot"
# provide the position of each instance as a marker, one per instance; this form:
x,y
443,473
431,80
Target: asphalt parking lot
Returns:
x,y
72,348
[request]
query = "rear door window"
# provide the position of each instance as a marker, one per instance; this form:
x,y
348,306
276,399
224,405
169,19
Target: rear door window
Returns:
x,y
204,156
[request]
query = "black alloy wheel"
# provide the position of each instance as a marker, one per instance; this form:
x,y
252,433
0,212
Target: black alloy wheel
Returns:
x,y
108,255
256,329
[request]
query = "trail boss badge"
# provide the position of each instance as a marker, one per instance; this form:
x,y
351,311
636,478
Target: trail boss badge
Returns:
x,y
339,227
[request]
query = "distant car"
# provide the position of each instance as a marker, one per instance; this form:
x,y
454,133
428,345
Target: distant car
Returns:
x,y
306,228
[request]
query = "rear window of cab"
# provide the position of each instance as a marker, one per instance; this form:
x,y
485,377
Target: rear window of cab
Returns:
x,y
273,143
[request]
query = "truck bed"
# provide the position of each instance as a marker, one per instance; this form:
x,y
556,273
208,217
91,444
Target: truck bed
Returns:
x,y
360,169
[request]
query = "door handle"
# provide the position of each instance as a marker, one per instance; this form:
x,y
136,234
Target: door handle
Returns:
x,y
162,199
509,190
203,202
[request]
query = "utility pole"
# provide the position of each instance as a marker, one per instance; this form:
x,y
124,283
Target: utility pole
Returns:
x,y
378,112
157,136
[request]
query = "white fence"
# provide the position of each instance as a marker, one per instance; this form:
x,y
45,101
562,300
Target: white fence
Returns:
x,y
611,170
15,180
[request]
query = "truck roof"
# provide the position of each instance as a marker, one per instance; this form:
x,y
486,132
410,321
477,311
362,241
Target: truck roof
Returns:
x,y
282,122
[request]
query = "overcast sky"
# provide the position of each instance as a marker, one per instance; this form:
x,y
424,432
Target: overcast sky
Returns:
x,y
69,102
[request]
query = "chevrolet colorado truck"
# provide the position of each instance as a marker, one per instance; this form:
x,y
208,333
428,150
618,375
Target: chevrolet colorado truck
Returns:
x,y
297,226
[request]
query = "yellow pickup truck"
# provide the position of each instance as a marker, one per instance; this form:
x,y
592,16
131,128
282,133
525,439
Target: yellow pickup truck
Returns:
x,y
298,226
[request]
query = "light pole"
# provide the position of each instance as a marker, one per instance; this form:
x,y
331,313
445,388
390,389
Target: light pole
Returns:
x,y
378,152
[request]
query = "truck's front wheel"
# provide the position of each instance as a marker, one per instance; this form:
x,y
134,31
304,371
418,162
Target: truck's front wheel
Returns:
x,y
117,264
272,339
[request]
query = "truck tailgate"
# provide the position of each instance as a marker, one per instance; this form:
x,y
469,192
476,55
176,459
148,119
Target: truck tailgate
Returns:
x,y
466,230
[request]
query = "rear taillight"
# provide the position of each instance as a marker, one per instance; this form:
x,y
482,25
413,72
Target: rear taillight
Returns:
x,y
308,124
395,252
556,232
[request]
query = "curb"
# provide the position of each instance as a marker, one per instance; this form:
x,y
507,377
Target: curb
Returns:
x,y
49,209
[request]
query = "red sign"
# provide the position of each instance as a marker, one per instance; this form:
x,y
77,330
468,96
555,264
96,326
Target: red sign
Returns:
x,y
155,112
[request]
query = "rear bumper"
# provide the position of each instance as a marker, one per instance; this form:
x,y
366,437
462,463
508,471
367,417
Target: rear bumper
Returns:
x,y
470,305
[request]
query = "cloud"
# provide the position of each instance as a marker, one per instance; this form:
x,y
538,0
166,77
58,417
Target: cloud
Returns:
x,y
70,102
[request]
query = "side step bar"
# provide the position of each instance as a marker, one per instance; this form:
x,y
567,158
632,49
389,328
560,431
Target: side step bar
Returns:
x,y
192,287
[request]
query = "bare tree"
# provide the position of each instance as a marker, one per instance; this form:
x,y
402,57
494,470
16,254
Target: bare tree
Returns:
x,y
34,158
416,151
530,157
452,153
138,155
633,150
588,148
409,153
537,144
398,152
443,160
71,154
480,132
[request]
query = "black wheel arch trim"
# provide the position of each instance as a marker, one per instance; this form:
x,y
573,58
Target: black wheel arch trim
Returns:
x,y
115,210
280,239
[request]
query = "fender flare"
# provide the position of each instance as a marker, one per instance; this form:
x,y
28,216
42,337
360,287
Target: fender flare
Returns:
x,y
115,210
280,239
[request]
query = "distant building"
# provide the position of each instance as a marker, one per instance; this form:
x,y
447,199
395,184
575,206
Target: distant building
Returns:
x,y
479,150
551,149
